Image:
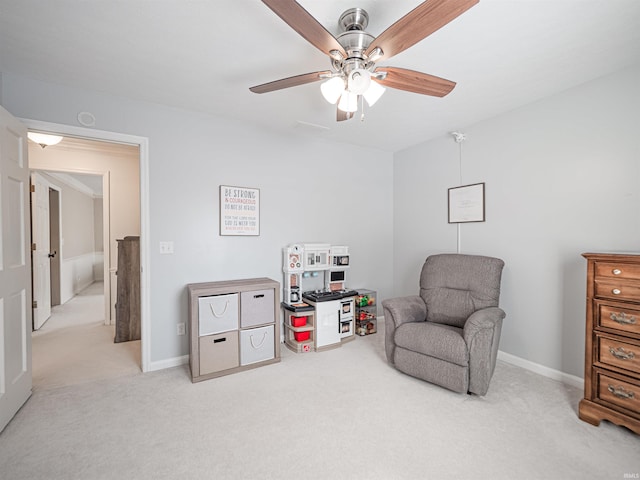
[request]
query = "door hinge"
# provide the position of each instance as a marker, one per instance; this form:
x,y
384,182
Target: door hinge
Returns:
x,y
33,188
34,304
33,247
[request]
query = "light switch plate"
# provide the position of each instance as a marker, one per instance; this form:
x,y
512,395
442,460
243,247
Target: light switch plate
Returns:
x,y
166,248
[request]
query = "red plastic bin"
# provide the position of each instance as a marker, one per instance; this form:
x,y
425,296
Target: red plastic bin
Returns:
x,y
298,321
301,336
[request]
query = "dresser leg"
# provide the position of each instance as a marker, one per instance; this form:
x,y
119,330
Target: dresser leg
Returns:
x,y
586,414
593,413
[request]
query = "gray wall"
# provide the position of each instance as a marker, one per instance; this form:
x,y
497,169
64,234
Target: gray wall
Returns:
x,y
310,191
562,178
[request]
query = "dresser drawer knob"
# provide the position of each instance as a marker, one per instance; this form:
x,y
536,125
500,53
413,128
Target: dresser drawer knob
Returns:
x,y
616,291
621,354
623,319
620,392
617,271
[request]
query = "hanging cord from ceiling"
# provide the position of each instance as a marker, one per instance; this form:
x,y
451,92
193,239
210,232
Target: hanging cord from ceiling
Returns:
x,y
459,138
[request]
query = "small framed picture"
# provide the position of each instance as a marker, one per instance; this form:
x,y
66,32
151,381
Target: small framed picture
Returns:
x,y
239,211
466,203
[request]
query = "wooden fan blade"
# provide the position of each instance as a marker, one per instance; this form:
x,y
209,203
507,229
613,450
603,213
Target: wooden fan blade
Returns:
x,y
416,82
305,24
289,82
342,116
418,24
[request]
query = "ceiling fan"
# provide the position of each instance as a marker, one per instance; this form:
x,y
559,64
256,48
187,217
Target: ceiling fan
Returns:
x,y
354,76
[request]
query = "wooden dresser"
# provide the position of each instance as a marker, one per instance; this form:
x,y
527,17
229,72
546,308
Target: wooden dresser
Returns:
x,y
612,349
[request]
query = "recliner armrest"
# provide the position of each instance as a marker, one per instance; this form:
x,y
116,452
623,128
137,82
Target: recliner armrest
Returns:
x,y
404,309
482,335
481,320
396,312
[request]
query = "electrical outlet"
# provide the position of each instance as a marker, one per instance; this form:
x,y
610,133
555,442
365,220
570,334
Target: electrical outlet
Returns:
x,y
181,329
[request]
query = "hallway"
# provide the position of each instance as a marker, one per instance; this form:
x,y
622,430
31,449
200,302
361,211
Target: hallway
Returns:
x,y
75,346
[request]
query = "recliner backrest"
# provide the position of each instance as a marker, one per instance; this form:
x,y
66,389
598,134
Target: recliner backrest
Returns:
x,y
455,285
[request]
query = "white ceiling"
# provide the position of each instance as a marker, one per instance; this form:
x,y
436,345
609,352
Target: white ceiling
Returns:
x,y
204,55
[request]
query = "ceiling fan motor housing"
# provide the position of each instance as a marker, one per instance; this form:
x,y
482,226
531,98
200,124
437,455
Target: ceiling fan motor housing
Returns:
x,y
354,39
354,19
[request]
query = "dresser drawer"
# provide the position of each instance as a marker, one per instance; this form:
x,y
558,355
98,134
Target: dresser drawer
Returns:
x,y
617,270
617,289
619,354
619,392
625,318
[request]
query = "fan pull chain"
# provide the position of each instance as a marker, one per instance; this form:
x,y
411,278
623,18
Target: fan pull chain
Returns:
x,y
362,107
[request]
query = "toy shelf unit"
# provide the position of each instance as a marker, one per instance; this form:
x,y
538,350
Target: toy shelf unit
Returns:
x,y
366,312
234,326
299,327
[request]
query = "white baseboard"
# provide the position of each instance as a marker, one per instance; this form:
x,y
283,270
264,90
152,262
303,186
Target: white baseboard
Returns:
x,y
168,363
541,369
505,357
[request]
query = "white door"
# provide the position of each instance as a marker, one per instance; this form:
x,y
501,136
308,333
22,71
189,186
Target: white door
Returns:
x,y
15,269
40,250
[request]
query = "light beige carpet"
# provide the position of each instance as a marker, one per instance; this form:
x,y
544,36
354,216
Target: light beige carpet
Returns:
x,y
75,346
339,414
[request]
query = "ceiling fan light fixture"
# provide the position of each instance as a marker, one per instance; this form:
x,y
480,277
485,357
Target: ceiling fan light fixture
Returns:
x,y
373,93
359,81
348,102
332,89
44,139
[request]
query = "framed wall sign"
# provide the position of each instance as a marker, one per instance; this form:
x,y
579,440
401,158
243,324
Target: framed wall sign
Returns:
x,y
239,210
466,203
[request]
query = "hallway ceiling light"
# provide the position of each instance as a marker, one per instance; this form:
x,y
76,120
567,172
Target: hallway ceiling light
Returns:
x,y
44,139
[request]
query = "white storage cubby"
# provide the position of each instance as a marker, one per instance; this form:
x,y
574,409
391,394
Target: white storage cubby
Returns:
x,y
256,345
234,325
217,313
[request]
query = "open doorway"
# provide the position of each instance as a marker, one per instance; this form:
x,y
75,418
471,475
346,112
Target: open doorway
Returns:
x,y
67,207
94,199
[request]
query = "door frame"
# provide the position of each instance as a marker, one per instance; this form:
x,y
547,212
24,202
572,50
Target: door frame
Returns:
x,y
106,228
143,148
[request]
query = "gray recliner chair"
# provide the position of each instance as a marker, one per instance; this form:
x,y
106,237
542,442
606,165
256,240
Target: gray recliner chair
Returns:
x,y
449,334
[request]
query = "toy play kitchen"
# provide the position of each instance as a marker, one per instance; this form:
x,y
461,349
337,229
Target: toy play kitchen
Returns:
x,y
319,308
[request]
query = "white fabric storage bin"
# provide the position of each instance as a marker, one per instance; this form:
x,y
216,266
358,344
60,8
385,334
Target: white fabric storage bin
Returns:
x,y
256,345
217,314
256,308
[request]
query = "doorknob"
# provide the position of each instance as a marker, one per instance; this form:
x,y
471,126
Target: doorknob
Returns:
x,y
51,255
